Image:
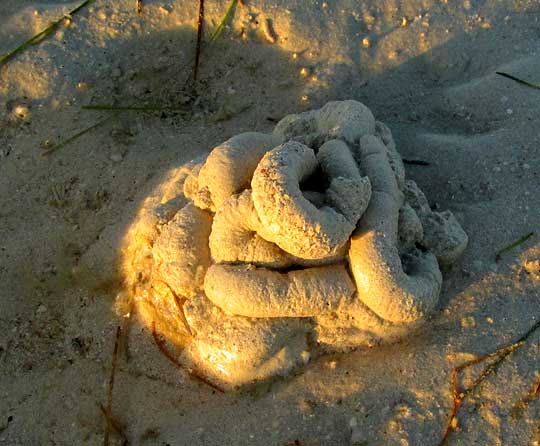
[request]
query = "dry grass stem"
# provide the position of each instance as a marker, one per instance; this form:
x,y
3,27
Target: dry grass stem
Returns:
x,y
460,394
160,342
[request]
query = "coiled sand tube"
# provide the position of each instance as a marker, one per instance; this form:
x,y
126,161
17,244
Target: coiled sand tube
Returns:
x,y
198,194
354,325
346,120
382,283
246,290
289,218
442,234
337,160
349,192
228,169
251,312
158,208
410,228
383,132
317,198
237,236
237,350
181,252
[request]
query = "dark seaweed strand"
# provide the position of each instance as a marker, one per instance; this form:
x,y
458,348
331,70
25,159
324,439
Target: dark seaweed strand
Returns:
x,y
200,26
416,162
519,81
107,411
226,17
459,396
160,343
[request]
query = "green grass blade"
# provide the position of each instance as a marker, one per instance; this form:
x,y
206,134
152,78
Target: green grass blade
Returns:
x,y
78,8
226,18
142,108
76,136
519,81
40,36
513,245
32,41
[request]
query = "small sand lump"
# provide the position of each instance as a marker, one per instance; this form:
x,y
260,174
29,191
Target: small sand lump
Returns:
x,y
280,247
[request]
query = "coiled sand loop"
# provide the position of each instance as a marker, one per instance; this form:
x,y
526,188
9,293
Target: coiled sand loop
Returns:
x,y
305,241
239,236
259,292
378,271
228,169
290,219
346,120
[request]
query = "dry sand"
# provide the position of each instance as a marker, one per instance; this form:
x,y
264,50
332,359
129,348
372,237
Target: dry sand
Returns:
x,y
425,68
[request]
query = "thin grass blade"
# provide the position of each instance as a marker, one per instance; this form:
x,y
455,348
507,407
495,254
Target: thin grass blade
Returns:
x,y
74,137
513,245
39,37
142,108
226,18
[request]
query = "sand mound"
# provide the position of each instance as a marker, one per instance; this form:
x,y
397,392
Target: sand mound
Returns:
x,y
251,277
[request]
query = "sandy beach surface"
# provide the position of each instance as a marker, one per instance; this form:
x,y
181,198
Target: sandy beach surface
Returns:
x,y
425,68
